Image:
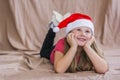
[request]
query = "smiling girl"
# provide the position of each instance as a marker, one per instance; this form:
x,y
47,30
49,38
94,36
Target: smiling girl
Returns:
x,y
77,51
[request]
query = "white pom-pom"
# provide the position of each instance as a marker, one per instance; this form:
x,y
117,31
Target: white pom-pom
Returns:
x,y
56,29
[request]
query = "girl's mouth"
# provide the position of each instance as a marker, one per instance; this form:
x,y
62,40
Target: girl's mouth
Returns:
x,y
81,39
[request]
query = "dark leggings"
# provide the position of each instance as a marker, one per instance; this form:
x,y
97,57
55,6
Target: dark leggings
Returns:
x,y
48,46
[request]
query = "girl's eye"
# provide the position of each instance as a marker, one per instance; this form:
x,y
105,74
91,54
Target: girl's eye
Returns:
x,y
78,29
87,31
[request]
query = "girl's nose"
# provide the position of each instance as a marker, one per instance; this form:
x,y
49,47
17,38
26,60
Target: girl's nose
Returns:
x,y
83,33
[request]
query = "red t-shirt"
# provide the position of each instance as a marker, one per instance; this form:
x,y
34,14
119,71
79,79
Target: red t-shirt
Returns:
x,y
58,47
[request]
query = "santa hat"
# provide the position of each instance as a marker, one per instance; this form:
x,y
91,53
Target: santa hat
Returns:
x,y
75,20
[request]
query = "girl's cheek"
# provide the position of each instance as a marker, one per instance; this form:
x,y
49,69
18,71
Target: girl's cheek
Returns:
x,y
90,36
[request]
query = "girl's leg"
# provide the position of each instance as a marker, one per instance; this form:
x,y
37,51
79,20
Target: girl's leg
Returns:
x,y
47,46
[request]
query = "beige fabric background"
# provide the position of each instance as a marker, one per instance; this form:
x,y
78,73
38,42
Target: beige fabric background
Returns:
x,y
24,24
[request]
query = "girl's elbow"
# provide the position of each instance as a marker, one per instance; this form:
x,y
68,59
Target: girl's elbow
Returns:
x,y
103,71
58,70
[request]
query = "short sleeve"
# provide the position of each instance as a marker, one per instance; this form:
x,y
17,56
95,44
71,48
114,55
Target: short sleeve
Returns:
x,y
59,46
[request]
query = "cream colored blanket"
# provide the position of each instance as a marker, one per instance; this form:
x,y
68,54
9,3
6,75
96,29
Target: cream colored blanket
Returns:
x,y
24,24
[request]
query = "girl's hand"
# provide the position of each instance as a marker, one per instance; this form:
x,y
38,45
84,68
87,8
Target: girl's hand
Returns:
x,y
89,42
71,40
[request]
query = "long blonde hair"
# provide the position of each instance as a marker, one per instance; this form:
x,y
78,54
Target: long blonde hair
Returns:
x,y
84,63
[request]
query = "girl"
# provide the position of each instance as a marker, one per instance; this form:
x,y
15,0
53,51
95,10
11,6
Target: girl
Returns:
x,y
78,50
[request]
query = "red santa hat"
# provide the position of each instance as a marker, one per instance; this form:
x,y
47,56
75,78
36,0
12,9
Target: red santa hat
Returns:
x,y
75,20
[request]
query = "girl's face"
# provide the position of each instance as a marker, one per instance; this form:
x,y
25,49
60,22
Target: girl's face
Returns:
x,y
82,35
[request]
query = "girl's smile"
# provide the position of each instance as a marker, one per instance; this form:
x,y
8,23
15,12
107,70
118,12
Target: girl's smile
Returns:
x,y
81,41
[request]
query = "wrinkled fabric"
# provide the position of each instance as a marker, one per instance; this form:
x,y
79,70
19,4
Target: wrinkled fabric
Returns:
x,y
24,24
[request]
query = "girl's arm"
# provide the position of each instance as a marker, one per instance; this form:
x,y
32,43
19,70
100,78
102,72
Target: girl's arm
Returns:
x,y
61,61
99,63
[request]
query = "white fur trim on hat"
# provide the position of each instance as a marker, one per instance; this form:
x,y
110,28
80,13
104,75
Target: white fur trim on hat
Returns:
x,y
56,29
80,23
